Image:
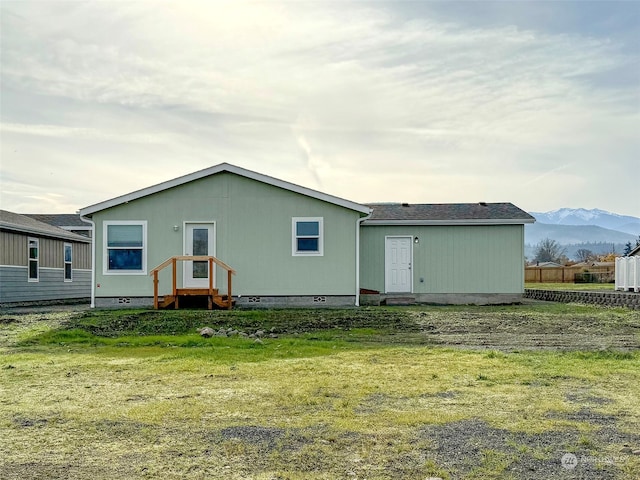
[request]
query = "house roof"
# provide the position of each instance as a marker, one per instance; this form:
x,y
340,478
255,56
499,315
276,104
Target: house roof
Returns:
x,y
62,220
223,167
547,265
24,224
447,214
635,251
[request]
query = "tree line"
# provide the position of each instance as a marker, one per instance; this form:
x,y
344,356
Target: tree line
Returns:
x,y
549,250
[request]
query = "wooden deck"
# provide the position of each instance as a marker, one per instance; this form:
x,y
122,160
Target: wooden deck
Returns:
x,y
214,297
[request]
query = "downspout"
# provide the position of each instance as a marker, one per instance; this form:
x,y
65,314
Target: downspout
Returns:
x,y
358,225
93,259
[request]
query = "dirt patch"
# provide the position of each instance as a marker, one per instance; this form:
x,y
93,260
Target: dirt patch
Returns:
x,y
472,445
255,435
512,330
526,327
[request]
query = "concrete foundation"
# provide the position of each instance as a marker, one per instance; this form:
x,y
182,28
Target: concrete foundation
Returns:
x,y
310,301
441,299
304,301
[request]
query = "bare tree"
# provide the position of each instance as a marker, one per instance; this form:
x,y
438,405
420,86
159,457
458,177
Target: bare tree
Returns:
x,y
549,250
585,255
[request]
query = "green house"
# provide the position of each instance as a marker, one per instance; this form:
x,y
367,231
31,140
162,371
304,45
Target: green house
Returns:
x,y
470,253
273,243
288,245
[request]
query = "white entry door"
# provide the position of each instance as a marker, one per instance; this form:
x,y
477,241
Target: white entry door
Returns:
x,y
199,239
397,260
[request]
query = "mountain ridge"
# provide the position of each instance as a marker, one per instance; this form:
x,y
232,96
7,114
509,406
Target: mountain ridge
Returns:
x,y
575,228
596,217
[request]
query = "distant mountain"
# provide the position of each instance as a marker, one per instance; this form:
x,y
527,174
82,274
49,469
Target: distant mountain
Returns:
x,y
596,217
574,228
568,234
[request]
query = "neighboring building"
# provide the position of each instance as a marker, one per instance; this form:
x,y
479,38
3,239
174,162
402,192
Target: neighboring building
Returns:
x,y
293,246
66,221
445,253
546,265
634,252
40,262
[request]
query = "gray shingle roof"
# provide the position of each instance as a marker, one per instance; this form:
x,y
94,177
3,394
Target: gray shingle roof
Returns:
x,y
444,213
24,224
59,219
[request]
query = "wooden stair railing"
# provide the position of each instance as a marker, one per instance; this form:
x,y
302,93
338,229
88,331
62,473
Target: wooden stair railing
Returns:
x,y
211,292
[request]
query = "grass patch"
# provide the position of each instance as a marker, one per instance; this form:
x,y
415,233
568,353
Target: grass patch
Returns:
x,y
392,393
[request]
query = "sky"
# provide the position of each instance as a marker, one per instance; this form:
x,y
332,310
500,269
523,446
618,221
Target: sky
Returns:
x,y
534,103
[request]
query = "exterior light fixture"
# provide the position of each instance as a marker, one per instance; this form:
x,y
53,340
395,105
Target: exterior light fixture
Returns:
x,y
176,228
416,240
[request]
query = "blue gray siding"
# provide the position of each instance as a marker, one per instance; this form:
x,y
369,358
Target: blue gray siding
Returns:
x,y
15,286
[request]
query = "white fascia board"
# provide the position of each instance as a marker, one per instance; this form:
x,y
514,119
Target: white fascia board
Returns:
x,y
44,233
223,167
450,222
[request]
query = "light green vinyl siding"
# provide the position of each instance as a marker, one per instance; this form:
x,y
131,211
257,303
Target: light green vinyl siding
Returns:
x,y
252,234
450,259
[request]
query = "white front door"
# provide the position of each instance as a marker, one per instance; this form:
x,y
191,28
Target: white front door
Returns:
x,y
397,263
199,239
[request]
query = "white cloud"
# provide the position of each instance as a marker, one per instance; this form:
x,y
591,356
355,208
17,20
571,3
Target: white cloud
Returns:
x,y
345,97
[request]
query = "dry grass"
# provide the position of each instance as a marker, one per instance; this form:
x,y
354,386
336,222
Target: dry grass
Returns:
x,y
334,407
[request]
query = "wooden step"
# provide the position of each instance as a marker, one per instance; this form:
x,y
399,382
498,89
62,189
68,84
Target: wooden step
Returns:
x,y
222,301
167,301
194,291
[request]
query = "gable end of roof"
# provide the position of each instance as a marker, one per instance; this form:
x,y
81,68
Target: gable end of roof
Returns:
x,y
223,167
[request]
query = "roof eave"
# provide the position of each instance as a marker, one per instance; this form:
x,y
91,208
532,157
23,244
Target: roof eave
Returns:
x,y
495,221
223,167
43,233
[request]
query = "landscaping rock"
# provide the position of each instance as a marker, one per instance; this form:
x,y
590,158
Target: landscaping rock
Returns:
x,y
260,333
206,332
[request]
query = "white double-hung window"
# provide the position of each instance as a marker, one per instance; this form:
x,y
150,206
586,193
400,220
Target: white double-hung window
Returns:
x,y
307,236
125,251
34,259
68,261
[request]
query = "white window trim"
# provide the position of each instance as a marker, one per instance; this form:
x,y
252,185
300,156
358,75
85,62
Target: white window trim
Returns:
x,y
294,237
29,259
105,249
64,261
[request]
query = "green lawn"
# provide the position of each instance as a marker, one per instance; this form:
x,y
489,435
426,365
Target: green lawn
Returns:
x,y
450,392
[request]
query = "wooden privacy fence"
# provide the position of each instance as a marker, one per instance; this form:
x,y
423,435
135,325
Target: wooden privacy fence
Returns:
x,y
570,274
628,273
